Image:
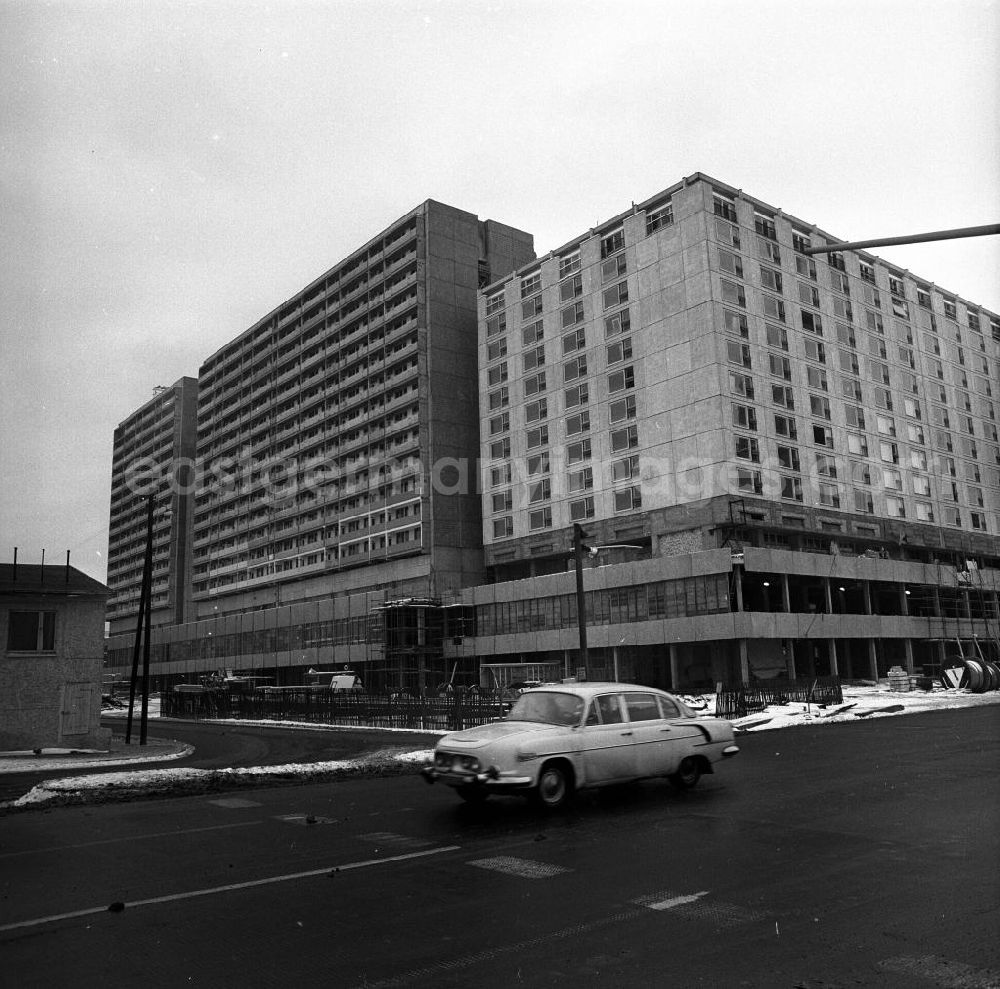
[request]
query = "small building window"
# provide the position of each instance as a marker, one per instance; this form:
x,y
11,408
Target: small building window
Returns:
x,y
31,631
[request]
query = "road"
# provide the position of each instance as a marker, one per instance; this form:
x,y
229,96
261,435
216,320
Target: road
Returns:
x,y
820,858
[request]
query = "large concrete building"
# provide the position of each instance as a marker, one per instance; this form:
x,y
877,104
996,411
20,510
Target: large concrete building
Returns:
x,y
337,441
154,449
785,463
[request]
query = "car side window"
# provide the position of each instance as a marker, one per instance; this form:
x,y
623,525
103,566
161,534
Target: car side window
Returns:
x,y
668,708
593,717
642,707
610,711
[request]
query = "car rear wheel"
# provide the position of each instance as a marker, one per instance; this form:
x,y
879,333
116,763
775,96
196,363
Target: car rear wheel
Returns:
x,y
472,794
554,786
687,775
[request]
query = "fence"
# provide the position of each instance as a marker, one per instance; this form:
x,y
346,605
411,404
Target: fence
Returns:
x,y
747,698
452,712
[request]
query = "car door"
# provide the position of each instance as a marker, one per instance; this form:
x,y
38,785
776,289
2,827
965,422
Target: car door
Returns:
x,y
651,734
606,750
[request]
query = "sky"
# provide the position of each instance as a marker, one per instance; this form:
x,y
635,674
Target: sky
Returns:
x,y
170,172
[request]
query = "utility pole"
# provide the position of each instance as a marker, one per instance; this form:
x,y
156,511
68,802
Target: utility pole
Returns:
x,y
145,612
579,547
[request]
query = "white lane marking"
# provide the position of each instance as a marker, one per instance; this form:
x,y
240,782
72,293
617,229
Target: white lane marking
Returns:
x,y
676,901
524,868
949,974
130,837
399,840
230,887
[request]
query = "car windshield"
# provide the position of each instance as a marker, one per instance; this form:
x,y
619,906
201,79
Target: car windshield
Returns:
x,y
547,707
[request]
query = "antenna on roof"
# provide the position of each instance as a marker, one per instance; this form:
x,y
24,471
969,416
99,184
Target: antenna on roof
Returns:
x,y
14,575
67,566
42,578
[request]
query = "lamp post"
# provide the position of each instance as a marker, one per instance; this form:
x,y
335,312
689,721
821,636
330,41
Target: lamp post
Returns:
x,y
145,596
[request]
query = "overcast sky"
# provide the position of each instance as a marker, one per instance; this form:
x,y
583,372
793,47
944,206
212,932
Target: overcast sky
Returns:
x,y
171,172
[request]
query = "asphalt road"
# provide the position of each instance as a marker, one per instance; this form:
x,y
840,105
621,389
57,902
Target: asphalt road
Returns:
x,y
865,854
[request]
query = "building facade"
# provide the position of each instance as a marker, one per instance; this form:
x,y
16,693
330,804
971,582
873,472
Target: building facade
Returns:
x,y
784,464
154,450
337,438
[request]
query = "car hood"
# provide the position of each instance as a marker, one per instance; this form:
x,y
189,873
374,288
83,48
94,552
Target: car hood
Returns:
x,y
485,734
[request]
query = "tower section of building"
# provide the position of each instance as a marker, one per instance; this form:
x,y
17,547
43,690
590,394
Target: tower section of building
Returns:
x,y
337,437
686,375
154,452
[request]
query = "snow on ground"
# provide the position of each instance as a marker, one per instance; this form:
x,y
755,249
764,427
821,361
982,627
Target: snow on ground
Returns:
x,y
860,703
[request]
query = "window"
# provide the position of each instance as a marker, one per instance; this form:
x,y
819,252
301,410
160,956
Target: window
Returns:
x,y
541,518
531,308
805,266
724,206
578,423
612,242
730,262
861,473
788,458
532,333
822,435
570,289
873,321
889,452
738,353
733,294
815,351
764,225
623,409
538,464
617,295
500,475
494,303
620,380
538,436
530,284
923,297
533,358
801,240
781,395
624,469
660,215
576,368
747,448
569,263
863,502
829,495
627,499
781,367
895,508
812,322
581,509
741,384
819,406
777,336
857,443
614,268
839,282
577,395
572,314
842,309
826,466
744,417
850,388
574,340
785,426
768,250
773,308
867,272
539,491
496,324
497,349
497,375
581,480
896,286
770,278
791,487
500,449
503,501
503,527
749,481
854,416
578,452
31,631
728,233
500,423
624,439
620,322
534,411
808,294
499,399
534,384
921,485
619,351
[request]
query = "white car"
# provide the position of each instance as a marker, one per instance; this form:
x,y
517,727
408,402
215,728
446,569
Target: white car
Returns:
x,y
566,737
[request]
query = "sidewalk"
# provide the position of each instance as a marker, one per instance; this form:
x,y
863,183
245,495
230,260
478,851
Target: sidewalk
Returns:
x,y
118,754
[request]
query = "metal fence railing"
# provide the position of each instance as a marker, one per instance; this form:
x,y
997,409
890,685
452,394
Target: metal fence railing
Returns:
x,y
451,712
739,700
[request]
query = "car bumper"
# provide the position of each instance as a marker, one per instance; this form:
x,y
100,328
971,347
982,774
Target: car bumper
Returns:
x,y
486,780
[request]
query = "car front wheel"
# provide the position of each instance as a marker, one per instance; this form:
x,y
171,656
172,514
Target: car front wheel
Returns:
x,y
554,787
687,775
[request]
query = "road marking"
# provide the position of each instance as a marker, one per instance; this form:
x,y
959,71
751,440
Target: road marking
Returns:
x,y
399,840
669,904
306,819
130,837
942,972
235,802
688,905
525,868
230,887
